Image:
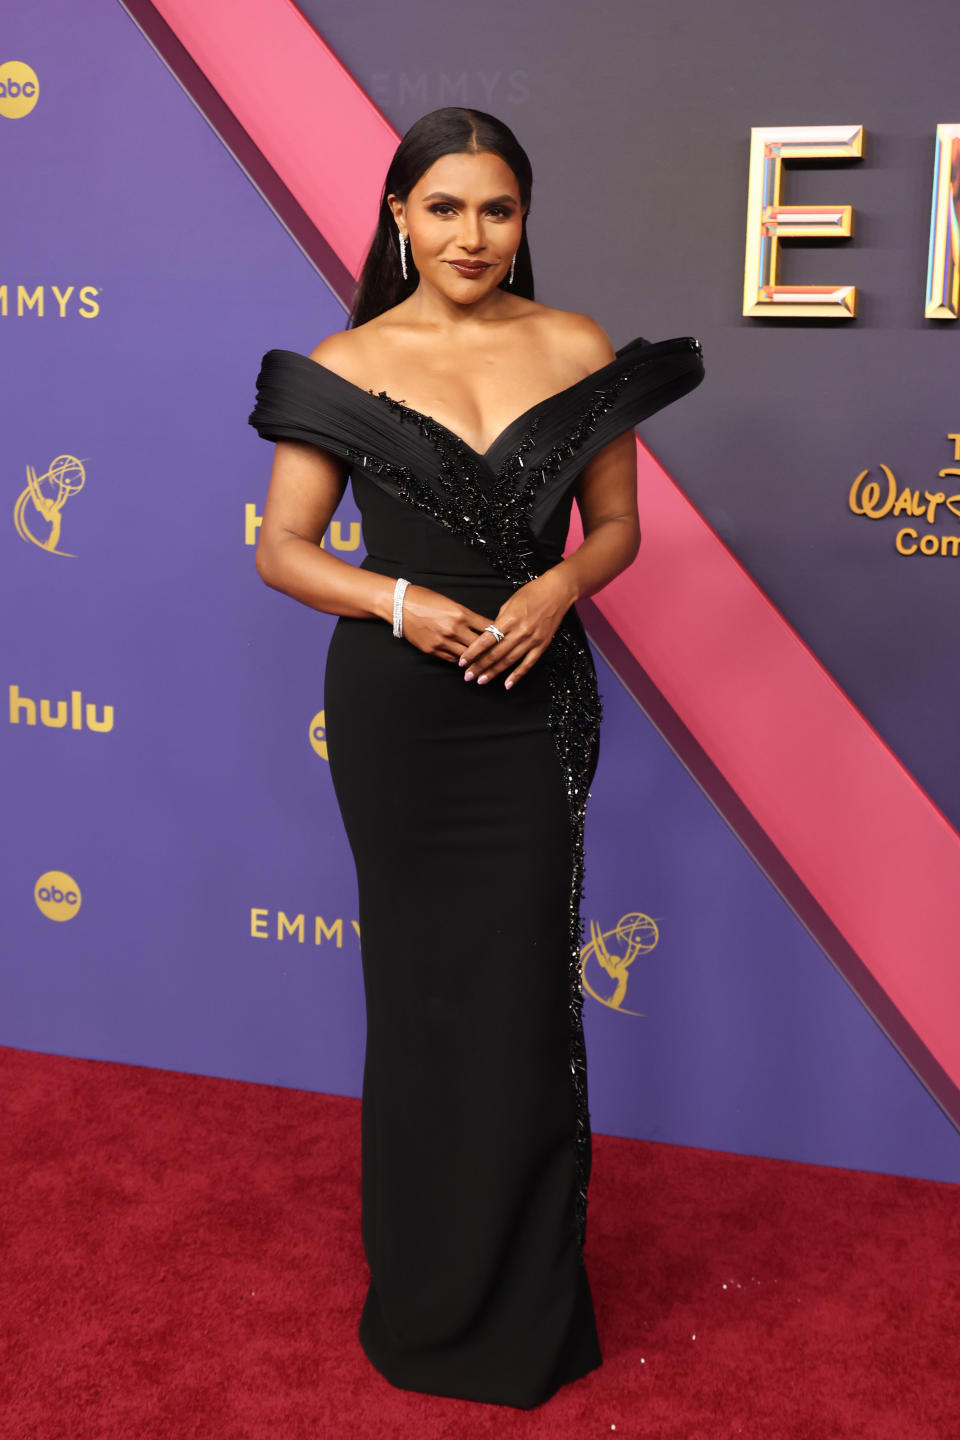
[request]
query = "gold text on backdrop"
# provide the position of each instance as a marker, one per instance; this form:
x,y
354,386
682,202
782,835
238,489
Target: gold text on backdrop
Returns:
x,y
769,221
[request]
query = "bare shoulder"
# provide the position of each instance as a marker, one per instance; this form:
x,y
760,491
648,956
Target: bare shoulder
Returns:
x,y
343,352
582,340
587,339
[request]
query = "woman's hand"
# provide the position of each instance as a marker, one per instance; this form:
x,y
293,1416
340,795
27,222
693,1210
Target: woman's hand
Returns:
x,y
438,625
529,620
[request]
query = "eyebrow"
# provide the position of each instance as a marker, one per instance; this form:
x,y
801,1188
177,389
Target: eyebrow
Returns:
x,y
456,199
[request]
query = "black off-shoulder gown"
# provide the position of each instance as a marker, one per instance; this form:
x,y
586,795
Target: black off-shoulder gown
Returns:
x,y
464,809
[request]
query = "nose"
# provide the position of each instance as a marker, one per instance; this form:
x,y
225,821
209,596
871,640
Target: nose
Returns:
x,y
471,235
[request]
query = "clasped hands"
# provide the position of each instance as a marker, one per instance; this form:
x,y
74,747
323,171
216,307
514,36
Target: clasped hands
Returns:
x,y
528,620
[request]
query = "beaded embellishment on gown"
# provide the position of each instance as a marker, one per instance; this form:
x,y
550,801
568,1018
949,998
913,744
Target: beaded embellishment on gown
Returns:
x,y
503,1322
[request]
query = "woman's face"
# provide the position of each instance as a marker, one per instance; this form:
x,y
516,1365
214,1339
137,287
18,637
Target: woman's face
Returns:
x,y
466,209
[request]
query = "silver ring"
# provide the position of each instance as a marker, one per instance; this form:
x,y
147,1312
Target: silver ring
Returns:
x,y
497,634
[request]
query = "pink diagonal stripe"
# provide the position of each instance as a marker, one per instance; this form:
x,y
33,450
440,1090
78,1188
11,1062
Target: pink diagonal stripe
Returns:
x,y
868,843
306,114
870,846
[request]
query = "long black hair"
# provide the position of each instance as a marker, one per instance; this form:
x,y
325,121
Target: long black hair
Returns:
x,y
448,131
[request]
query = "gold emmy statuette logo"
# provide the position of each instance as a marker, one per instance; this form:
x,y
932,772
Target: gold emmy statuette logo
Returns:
x,y
318,733
43,498
19,88
612,952
57,895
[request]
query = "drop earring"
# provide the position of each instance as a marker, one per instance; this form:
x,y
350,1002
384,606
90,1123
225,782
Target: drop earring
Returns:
x,y
513,266
403,254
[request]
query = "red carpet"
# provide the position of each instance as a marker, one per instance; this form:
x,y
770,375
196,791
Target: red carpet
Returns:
x,y
181,1258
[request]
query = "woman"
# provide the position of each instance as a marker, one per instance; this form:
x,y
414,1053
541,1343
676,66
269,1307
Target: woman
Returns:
x,y
462,721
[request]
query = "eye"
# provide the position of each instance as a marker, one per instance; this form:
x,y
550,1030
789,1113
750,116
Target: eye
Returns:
x,y
443,208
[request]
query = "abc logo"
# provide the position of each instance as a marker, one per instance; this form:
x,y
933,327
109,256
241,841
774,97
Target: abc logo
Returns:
x,y
57,895
19,88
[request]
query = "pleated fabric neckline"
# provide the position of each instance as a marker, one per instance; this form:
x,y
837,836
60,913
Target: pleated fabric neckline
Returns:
x,y
502,442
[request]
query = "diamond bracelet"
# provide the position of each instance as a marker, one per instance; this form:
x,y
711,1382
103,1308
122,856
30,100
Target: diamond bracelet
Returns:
x,y
398,591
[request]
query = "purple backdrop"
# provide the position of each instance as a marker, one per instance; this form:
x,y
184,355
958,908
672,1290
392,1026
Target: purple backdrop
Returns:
x,y
204,814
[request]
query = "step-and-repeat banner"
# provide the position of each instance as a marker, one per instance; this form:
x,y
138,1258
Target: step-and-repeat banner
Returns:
x,y
177,888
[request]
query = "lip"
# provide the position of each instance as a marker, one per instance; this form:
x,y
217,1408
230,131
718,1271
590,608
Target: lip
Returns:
x,y
468,267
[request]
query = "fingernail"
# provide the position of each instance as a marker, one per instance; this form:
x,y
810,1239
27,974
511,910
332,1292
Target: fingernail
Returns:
x,y
483,679
469,675
461,661
507,684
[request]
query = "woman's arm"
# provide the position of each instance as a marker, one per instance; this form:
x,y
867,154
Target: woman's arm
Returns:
x,y
306,486
606,495
607,500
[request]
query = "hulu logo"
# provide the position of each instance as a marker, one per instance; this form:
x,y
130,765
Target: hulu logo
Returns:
x,y
73,714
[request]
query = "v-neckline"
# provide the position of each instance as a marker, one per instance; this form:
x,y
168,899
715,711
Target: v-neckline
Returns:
x,y
484,456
